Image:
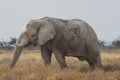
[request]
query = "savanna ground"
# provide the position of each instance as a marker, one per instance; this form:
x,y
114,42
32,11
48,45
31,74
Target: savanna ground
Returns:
x,y
30,67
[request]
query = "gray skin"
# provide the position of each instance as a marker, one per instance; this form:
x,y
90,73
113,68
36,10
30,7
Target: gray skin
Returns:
x,y
62,37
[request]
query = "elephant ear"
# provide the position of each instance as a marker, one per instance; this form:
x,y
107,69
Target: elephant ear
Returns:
x,y
45,33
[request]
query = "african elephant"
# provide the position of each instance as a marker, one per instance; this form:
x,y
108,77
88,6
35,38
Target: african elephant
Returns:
x,y
62,37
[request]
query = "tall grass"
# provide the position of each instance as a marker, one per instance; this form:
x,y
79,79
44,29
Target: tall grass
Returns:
x,y
30,67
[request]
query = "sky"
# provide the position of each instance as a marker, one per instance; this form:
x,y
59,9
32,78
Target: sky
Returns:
x,y
102,15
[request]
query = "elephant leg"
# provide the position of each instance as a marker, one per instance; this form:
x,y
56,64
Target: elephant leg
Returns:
x,y
95,62
91,64
93,58
98,64
61,59
46,56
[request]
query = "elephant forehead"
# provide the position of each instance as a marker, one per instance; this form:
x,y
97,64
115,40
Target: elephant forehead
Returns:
x,y
30,31
32,24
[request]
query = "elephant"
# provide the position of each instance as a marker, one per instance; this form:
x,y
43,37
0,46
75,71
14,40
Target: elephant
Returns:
x,y
62,37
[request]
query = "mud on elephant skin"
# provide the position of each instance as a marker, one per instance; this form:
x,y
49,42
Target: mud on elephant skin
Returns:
x,y
62,37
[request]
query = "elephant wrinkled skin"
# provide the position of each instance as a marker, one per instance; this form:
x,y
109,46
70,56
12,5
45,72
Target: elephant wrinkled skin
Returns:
x,y
62,37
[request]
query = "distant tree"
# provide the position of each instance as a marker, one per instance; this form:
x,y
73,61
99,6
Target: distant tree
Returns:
x,y
102,43
116,42
1,44
6,44
12,41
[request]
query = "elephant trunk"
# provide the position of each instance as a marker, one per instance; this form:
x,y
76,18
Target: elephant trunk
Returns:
x,y
17,52
22,41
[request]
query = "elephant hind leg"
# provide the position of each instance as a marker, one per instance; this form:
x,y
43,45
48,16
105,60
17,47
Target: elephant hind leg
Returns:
x,y
95,63
91,64
98,64
93,57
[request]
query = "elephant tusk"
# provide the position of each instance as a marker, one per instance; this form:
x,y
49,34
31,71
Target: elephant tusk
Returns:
x,y
19,45
13,46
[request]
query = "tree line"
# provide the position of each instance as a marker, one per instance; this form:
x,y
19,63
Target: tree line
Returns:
x,y
7,44
115,43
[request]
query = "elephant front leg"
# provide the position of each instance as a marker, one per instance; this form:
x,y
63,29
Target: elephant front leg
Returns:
x,y
60,57
46,56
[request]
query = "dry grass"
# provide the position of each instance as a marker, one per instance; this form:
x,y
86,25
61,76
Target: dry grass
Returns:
x,y
30,67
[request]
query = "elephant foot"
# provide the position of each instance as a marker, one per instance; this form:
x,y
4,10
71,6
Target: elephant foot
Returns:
x,y
99,66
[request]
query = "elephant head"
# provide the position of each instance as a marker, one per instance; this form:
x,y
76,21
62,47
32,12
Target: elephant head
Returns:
x,y
36,32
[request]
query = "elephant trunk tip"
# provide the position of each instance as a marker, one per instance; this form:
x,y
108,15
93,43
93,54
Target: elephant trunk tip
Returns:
x,y
11,65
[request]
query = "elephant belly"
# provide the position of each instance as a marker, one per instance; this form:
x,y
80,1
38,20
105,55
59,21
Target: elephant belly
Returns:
x,y
74,54
75,51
